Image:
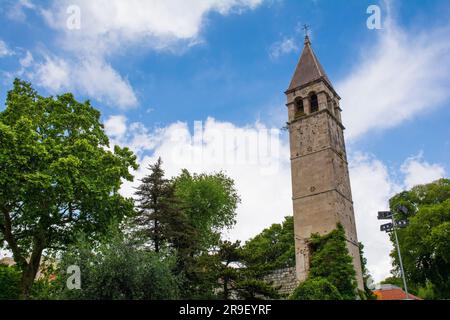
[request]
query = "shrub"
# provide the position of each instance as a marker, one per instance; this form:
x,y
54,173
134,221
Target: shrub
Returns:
x,y
9,283
316,289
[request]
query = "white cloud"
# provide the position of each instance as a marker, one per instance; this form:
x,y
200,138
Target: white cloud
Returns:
x,y
108,24
111,27
417,171
116,126
401,75
90,76
4,50
53,74
17,10
285,46
26,61
372,187
98,79
262,177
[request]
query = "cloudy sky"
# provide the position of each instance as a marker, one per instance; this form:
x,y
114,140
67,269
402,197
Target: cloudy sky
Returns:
x,y
182,78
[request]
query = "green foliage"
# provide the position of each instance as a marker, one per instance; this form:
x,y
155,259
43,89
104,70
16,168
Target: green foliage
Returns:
x,y
316,288
199,277
210,202
44,289
272,249
255,289
395,281
9,282
330,264
367,294
58,176
427,292
222,275
237,280
330,260
229,256
425,242
160,216
116,270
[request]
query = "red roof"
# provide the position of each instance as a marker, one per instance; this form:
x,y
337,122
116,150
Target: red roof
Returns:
x,y
393,294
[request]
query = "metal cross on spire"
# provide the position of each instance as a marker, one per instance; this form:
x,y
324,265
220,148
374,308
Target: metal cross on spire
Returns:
x,y
306,29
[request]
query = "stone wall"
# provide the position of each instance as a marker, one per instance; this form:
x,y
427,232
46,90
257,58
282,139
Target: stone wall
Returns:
x,y
285,280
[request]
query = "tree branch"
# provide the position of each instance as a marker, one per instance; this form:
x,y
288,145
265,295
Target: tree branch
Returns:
x,y
10,239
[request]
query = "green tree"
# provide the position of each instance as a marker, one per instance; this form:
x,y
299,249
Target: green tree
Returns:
x,y
57,176
255,289
117,269
199,276
210,202
316,288
229,255
425,242
160,216
272,249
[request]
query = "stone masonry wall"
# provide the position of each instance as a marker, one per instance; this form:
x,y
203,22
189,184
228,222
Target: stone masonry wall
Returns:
x,y
284,279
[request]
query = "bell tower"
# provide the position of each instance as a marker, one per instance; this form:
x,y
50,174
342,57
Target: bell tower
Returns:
x,y
321,191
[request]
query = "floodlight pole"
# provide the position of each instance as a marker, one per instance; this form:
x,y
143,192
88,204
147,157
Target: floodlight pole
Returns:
x,y
400,257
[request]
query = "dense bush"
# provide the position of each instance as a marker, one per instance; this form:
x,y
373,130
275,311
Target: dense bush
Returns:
x,y
118,270
9,283
316,289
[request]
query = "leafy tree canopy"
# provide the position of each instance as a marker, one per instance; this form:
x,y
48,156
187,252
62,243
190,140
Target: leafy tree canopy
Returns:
x,y
272,249
58,176
425,242
210,202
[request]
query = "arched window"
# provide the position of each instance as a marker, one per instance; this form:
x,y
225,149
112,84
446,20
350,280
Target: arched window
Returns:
x,y
299,107
314,103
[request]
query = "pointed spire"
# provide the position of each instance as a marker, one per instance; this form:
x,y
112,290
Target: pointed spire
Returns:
x,y
308,69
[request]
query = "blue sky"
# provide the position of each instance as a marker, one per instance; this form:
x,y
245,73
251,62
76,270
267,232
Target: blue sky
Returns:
x,y
152,68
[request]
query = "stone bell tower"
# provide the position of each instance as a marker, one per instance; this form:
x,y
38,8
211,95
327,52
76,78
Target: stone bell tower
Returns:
x,y
321,191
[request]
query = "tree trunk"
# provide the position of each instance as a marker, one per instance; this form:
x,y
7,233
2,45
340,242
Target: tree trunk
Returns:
x,y
30,271
29,268
226,293
156,238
